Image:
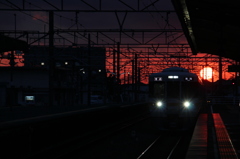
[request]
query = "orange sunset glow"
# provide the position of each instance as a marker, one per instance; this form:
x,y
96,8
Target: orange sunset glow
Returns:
x,y
204,72
18,59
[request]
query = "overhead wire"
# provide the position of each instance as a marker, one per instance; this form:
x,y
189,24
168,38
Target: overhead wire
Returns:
x,y
167,24
46,22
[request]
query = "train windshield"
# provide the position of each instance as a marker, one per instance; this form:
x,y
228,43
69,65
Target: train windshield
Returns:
x,y
158,90
173,89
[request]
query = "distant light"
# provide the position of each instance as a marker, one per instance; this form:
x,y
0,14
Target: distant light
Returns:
x,y
83,72
99,70
42,63
66,63
173,77
29,98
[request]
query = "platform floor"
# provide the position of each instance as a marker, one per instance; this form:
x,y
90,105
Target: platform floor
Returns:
x,y
198,145
225,146
221,143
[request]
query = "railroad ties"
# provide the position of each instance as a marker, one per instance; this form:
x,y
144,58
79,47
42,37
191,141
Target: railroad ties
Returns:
x,y
210,139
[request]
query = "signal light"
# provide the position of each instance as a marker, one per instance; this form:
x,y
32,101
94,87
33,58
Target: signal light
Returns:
x,y
233,82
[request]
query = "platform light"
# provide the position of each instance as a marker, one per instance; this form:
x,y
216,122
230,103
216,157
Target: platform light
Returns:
x,y
29,98
233,81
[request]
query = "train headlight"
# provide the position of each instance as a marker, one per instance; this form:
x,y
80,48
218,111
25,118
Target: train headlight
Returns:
x,y
186,104
159,104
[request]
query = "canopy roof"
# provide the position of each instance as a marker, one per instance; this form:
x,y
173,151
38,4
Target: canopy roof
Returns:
x,y
211,26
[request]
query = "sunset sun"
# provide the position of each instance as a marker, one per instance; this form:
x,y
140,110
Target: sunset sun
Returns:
x,y
206,73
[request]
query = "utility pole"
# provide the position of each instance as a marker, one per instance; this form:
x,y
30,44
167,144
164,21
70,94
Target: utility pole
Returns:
x,y
136,77
220,68
114,61
51,60
118,62
89,71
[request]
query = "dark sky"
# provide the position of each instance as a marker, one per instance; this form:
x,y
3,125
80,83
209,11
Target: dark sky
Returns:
x,y
33,20
38,20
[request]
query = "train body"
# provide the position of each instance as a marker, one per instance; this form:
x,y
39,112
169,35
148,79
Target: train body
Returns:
x,y
176,97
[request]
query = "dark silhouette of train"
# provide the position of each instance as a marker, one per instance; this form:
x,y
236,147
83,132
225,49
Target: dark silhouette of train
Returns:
x,y
176,98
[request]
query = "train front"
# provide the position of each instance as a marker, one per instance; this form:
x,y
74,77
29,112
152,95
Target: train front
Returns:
x,y
176,98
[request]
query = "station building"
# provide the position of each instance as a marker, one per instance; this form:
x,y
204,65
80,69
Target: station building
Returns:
x,y
72,67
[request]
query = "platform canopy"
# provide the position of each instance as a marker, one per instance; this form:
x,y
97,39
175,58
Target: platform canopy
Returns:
x,y
10,44
211,26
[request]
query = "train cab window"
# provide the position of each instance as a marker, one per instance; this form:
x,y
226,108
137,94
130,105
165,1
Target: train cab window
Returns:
x,y
173,89
157,89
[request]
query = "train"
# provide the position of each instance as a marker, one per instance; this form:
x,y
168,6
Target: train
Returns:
x,y
176,97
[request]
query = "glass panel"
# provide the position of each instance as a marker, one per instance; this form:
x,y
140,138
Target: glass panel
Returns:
x,y
158,90
173,89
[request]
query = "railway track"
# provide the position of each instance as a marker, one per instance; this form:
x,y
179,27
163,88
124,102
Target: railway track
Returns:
x,y
171,145
162,147
87,140
134,137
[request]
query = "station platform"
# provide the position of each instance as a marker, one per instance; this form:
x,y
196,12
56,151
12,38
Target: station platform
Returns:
x,y
211,139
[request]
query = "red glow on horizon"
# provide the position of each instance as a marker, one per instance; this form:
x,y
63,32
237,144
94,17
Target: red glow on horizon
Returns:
x,y
40,16
146,67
